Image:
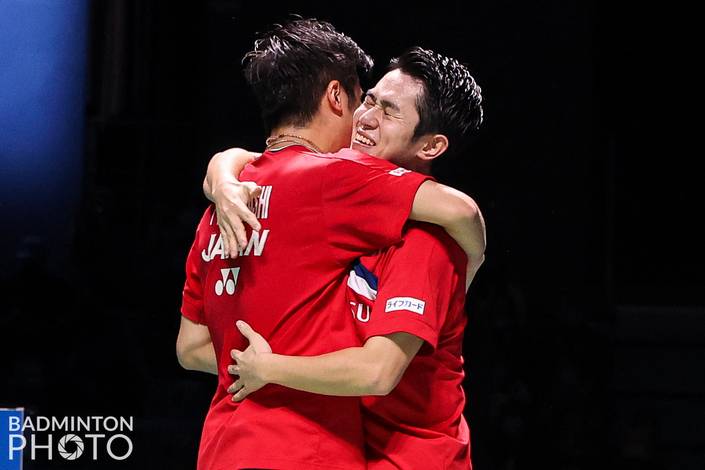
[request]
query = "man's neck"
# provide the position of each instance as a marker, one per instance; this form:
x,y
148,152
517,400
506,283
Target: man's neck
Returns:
x,y
313,133
419,166
424,169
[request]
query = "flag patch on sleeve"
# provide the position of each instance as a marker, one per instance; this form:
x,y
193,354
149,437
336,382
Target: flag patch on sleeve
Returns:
x,y
405,303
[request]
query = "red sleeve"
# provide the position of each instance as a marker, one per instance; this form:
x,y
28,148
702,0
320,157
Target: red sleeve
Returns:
x,y
417,284
366,202
192,297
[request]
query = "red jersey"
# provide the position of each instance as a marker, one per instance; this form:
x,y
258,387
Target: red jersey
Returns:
x,y
417,287
318,213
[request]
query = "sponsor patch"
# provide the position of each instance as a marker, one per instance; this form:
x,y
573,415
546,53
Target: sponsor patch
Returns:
x,y
405,303
399,172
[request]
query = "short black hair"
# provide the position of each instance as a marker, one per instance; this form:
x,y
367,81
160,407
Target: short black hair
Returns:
x,y
451,101
292,64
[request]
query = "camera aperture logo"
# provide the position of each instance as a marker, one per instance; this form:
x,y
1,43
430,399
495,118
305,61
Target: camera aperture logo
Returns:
x,y
77,441
68,437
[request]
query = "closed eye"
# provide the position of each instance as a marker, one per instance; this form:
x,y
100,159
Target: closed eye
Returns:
x,y
370,100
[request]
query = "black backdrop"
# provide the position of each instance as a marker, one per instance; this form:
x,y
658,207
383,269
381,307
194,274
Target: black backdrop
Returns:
x,y
584,347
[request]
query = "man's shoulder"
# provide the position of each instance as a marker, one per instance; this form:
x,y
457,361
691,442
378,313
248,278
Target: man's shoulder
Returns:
x,y
352,157
421,243
431,240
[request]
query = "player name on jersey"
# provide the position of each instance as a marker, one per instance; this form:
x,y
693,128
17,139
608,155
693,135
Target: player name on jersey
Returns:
x,y
260,206
257,240
255,246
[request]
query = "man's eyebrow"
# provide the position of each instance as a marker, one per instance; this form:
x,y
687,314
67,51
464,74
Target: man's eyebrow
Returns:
x,y
383,103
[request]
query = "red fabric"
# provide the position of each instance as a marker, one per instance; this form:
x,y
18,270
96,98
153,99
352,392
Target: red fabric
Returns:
x,y
420,423
318,213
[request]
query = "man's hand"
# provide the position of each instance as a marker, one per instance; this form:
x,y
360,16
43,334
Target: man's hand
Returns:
x,y
231,199
248,364
221,186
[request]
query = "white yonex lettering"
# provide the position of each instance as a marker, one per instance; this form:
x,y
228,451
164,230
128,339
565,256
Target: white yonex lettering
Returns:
x,y
405,303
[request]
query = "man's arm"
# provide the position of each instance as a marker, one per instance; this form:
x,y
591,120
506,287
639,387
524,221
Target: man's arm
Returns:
x,y
225,167
231,196
458,214
395,334
194,347
373,369
435,203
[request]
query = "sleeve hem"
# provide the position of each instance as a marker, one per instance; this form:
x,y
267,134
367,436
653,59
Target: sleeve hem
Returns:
x,y
413,327
192,311
414,187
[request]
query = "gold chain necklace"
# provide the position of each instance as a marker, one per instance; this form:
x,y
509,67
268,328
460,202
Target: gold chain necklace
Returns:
x,y
275,143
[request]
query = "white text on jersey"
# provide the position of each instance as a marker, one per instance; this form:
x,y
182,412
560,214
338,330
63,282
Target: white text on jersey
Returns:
x,y
260,206
256,243
405,303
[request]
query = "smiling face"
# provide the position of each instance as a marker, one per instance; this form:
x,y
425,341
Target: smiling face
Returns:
x,y
383,125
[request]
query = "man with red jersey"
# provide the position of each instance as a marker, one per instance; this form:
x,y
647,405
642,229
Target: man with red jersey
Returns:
x,y
410,295
333,208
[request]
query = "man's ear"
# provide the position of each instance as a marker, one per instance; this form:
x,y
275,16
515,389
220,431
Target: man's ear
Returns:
x,y
334,98
434,146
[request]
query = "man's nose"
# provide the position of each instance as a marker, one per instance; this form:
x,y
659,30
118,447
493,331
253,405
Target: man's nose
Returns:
x,y
369,119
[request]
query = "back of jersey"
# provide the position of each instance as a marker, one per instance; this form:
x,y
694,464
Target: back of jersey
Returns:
x,y
318,213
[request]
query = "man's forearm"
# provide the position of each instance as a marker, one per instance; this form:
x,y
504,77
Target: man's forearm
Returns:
x,y
473,267
373,369
201,358
348,372
225,167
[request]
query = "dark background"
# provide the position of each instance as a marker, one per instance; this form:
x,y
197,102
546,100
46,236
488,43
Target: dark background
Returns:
x,y
585,345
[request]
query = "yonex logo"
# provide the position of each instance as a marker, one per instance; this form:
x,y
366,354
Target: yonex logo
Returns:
x,y
227,284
